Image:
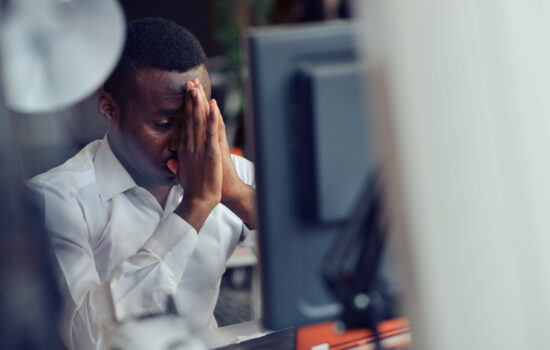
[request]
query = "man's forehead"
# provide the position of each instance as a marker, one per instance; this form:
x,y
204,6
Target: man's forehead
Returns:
x,y
170,85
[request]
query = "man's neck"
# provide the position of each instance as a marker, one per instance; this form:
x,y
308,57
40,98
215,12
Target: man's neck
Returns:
x,y
159,192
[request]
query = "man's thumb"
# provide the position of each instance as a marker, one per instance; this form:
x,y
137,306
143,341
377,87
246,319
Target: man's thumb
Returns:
x,y
172,164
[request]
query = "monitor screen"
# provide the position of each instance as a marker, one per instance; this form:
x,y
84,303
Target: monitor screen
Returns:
x,y
312,158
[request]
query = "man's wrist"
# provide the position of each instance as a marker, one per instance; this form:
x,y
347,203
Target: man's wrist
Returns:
x,y
195,211
238,195
242,203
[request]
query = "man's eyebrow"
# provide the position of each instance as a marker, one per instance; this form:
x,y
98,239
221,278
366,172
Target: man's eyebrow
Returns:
x,y
178,91
168,111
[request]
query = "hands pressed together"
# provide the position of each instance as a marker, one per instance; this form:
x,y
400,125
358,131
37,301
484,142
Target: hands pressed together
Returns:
x,y
204,166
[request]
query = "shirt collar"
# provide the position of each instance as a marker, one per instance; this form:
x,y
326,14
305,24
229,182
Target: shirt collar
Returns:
x,y
111,175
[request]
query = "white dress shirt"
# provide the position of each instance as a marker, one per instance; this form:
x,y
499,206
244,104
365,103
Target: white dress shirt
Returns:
x,y
121,254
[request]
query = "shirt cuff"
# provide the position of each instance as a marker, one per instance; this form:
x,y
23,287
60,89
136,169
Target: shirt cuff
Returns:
x,y
174,242
248,237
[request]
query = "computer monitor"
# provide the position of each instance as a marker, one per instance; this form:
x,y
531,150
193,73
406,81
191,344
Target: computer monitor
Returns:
x,y
312,157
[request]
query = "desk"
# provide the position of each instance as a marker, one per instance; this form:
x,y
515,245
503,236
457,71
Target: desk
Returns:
x,y
223,336
227,338
279,340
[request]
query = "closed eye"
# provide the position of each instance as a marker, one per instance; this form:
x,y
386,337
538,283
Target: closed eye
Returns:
x,y
164,119
164,124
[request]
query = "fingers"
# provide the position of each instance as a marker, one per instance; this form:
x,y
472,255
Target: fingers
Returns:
x,y
199,121
187,139
197,124
212,129
187,125
205,103
208,110
221,128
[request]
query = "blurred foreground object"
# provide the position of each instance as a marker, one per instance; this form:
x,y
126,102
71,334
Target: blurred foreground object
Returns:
x,y
462,106
56,52
156,333
29,298
52,53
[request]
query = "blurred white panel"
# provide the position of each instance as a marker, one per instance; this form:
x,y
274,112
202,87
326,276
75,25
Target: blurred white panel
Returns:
x,y
463,121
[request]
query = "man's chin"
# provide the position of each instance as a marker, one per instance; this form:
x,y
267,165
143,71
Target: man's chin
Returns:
x,y
169,177
173,180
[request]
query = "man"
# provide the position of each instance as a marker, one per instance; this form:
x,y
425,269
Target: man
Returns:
x,y
155,208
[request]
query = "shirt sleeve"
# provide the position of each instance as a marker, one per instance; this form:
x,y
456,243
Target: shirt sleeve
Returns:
x,y
245,170
139,285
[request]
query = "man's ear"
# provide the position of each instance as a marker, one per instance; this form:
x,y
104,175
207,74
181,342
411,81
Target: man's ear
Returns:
x,y
108,107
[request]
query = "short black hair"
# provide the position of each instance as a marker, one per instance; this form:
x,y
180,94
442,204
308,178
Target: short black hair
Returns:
x,y
153,43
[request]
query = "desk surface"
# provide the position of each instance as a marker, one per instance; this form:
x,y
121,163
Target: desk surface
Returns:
x,y
237,337
279,340
233,334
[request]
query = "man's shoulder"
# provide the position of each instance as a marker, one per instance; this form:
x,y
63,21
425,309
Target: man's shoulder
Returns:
x,y
71,176
244,168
